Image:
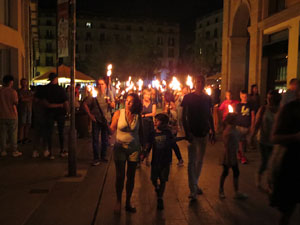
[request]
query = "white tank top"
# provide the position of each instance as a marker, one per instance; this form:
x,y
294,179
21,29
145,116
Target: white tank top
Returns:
x,y
127,133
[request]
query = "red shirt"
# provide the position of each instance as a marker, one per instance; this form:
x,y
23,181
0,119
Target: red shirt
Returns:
x,y
224,107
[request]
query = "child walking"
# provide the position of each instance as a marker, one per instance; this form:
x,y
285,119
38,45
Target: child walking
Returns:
x,y
162,143
231,145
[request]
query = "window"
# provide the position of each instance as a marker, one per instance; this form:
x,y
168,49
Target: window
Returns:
x,y
276,6
217,20
216,46
200,25
128,28
171,52
49,61
49,47
88,36
49,23
159,30
49,34
207,24
88,48
102,36
216,33
171,31
207,34
171,41
160,41
102,26
88,25
77,48
160,52
171,64
141,28
116,27
200,51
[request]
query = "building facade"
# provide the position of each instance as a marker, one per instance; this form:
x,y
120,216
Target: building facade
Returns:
x,y
93,32
208,42
14,39
260,44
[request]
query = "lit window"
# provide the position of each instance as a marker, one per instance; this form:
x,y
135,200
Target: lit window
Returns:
x,y
88,25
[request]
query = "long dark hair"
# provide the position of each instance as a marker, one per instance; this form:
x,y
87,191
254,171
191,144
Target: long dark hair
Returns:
x,y
137,104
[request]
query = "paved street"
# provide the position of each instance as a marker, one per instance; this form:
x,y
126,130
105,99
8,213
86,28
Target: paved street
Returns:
x,y
209,209
36,192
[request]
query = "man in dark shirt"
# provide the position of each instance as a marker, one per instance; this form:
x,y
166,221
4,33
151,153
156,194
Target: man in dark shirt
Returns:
x,y
197,123
245,123
56,103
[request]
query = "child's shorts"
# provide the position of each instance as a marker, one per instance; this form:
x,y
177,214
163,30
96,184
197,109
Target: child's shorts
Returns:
x,y
160,172
244,131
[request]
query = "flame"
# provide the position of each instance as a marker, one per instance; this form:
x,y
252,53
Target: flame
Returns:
x,y
208,90
108,73
189,82
155,84
175,84
149,86
140,84
230,109
109,67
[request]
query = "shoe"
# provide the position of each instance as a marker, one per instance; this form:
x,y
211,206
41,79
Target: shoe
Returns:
x,y
180,162
16,153
96,163
26,141
160,204
240,196
130,209
244,160
46,153
199,191
221,195
193,197
4,153
64,154
35,154
52,157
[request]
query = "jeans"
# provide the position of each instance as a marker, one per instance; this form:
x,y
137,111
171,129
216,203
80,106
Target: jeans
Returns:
x,y
196,151
96,129
8,131
60,119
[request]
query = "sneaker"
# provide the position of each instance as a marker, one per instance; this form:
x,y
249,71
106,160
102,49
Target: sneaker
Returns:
x,y
35,154
64,154
16,153
240,196
221,195
4,153
180,162
160,204
96,163
193,197
46,153
244,160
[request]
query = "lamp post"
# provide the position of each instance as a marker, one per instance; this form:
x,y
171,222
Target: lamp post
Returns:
x,y
72,135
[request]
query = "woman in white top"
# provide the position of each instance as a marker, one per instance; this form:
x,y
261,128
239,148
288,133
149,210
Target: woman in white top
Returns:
x,y
127,123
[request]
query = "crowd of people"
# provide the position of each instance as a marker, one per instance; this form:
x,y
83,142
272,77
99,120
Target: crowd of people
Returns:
x,y
273,127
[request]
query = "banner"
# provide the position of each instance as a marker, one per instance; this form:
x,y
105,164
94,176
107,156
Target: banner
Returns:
x,y
63,27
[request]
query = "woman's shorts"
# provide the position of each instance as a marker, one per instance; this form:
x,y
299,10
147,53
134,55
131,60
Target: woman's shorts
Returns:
x,y
124,152
160,172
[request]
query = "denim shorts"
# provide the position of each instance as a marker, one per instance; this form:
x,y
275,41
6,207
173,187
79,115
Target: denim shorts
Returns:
x,y
125,152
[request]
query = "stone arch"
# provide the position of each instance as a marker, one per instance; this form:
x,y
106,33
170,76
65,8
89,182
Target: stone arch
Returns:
x,y
239,49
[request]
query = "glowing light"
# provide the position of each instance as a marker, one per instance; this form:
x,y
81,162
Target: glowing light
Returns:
x,y
175,84
230,109
92,91
109,67
108,73
149,86
208,90
189,82
140,84
155,84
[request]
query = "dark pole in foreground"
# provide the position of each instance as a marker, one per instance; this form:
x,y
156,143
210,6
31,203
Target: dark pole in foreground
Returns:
x,y
72,135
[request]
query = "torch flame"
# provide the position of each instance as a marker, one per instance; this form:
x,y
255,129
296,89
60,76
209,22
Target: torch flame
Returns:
x,y
189,82
175,84
109,67
140,84
230,109
208,90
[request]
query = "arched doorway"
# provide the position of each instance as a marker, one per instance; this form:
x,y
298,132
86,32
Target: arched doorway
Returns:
x,y
239,50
